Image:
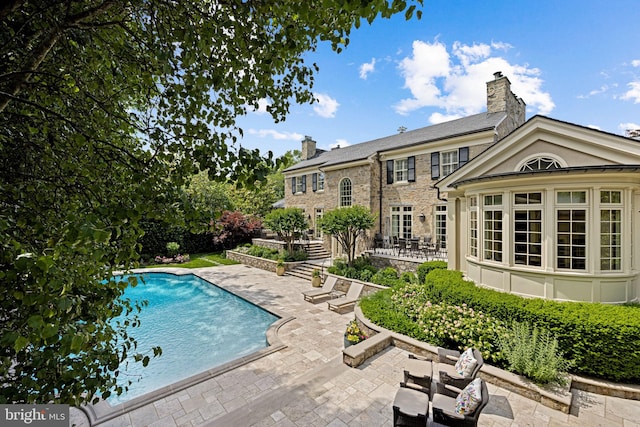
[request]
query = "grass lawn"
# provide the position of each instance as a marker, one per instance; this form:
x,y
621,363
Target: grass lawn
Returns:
x,y
200,260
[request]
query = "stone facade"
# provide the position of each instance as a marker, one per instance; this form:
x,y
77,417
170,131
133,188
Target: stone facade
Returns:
x,y
412,202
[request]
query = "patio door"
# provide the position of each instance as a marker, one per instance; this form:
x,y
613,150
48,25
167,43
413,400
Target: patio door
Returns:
x,y
402,221
441,225
317,232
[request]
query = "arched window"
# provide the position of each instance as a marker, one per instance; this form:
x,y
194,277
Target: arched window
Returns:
x,y
345,192
540,163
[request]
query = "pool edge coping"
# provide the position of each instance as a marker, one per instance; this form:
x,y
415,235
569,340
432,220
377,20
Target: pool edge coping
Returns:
x,y
102,411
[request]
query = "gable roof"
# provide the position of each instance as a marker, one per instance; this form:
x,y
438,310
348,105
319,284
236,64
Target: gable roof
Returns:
x,y
622,153
464,126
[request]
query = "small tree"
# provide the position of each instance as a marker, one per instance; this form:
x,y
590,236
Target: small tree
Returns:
x,y
287,223
233,228
346,225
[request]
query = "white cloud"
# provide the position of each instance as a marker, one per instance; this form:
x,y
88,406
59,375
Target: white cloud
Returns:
x,y
628,126
436,118
633,94
636,62
340,143
274,134
367,68
325,105
262,106
455,80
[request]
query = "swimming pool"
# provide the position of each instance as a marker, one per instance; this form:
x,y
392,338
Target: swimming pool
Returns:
x,y
198,326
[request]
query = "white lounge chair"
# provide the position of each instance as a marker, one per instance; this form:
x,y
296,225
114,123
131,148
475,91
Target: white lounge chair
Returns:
x,y
353,294
326,290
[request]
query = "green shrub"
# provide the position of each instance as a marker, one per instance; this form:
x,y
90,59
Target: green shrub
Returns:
x,y
366,275
534,353
602,340
424,269
297,255
173,248
386,276
408,277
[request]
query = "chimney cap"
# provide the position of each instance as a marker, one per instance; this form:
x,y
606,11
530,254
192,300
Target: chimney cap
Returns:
x,y
497,74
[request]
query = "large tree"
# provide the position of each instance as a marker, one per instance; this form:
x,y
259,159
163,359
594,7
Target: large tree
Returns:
x,y
106,107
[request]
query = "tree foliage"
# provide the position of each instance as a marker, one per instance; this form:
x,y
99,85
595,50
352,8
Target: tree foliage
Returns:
x,y
346,225
106,107
288,223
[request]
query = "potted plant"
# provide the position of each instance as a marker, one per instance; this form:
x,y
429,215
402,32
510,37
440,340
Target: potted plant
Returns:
x,y
353,334
316,280
280,267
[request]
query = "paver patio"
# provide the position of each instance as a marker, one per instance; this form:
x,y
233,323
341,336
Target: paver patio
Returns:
x,y
306,384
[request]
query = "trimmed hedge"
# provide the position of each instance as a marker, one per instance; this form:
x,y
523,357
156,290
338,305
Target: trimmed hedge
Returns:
x,y
603,340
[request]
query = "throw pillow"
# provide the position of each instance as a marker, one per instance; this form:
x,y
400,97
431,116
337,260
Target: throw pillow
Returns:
x,y
466,363
469,398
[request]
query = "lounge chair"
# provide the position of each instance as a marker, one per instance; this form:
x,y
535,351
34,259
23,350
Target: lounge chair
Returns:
x,y
326,290
353,294
448,374
444,400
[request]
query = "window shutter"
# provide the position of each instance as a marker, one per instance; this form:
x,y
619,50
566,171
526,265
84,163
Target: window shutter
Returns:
x,y
411,169
293,185
435,165
314,182
463,156
389,171
304,183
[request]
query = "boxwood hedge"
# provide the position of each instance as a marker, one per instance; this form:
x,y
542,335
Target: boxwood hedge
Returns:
x,y
603,340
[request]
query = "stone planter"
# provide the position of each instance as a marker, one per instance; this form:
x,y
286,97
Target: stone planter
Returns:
x,y
280,271
316,282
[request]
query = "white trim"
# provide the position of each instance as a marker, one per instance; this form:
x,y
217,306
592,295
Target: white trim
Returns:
x,y
555,157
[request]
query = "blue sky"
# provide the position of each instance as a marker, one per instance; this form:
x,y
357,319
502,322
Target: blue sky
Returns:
x,y
577,61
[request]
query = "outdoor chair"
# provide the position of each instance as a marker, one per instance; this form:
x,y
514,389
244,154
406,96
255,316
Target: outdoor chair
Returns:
x,y
418,373
353,294
410,407
448,374
326,290
445,397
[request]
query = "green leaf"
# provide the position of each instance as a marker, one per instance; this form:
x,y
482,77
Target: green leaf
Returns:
x,y
20,344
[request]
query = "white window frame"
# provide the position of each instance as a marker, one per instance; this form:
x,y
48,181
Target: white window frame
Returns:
x,y
346,194
402,221
569,230
474,230
528,223
449,162
611,233
493,227
320,181
401,170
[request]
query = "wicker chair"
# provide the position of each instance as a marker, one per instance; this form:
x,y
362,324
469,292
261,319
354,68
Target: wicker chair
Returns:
x,y
443,405
447,372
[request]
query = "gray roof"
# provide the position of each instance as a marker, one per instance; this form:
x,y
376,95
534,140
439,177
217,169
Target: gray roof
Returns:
x,y
471,124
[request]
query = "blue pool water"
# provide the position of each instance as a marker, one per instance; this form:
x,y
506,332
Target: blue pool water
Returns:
x,y
198,325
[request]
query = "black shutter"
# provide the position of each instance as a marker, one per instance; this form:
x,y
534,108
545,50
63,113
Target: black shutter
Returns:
x,y
435,165
463,156
411,169
389,171
293,185
314,182
304,183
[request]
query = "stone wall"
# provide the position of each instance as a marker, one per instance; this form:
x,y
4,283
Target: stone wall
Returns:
x,y
261,263
401,265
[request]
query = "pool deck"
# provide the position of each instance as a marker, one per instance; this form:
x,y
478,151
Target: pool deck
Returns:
x,y
306,383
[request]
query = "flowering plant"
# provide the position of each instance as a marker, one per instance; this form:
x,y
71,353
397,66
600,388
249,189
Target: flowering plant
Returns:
x,y
178,259
354,334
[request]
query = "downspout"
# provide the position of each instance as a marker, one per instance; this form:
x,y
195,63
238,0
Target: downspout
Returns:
x,y
379,195
438,194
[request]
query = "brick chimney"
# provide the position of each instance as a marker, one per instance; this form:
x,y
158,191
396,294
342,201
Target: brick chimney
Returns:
x,y
501,99
308,148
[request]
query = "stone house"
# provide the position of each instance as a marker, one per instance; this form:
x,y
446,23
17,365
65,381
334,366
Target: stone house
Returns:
x,y
394,176
539,208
